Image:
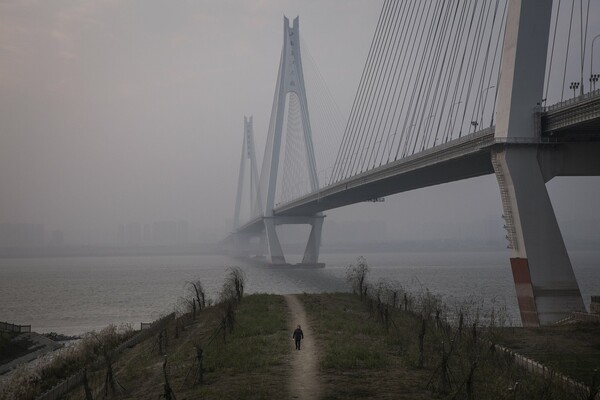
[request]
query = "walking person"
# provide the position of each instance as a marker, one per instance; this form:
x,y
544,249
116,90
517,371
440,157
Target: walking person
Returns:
x,y
298,335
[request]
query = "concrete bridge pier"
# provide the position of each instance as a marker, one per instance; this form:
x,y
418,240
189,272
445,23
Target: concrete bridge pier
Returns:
x,y
274,250
240,245
311,253
545,283
546,286
275,254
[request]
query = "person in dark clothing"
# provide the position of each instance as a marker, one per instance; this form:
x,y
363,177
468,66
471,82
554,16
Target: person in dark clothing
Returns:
x,y
298,335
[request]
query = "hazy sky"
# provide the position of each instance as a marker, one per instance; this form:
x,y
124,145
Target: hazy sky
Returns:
x,y
121,111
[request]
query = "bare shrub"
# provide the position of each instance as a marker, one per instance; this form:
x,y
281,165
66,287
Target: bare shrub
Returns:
x,y
28,382
233,287
25,383
356,276
198,293
393,294
428,304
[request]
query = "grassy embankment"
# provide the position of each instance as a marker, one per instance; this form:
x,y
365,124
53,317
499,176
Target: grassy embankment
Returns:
x,y
251,362
383,342
361,358
574,349
8,353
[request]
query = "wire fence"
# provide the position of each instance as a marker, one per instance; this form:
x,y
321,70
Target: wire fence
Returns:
x,y
382,299
14,328
538,368
77,379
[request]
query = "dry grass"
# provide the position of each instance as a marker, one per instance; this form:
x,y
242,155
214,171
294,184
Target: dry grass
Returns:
x,y
573,350
30,381
362,359
251,365
358,358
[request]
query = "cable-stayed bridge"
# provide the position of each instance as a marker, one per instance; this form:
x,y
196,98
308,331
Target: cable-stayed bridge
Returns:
x,y
450,90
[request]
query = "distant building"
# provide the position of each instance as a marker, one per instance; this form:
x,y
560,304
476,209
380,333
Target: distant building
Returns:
x,y
147,234
133,234
164,232
21,235
130,234
57,238
183,232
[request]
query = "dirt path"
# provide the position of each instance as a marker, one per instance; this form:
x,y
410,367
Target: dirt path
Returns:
x,y
304,382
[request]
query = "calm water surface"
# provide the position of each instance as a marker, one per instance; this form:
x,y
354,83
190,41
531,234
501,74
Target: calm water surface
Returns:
x,y
74,295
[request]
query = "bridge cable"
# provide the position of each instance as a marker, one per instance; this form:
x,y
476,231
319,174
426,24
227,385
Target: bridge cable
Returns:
x,y
428,72
361,89
499,47
552,50
424,55
483,99
456,98
347,138
567,53
427,133
404,134
391,70
415,65
449,73
355,146
426,113
329,134
583,47
471,78
378,118
419,112
396,78
349,131
364,118
471,65
414,51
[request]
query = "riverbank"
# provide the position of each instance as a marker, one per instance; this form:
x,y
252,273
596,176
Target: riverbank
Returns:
x,y
360,349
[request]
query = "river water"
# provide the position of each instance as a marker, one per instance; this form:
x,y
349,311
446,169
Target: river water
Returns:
x,y
77,294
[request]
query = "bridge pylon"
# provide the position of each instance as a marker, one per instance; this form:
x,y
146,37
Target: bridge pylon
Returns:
x,y
263,221
546,286
290,82
248,157
247,198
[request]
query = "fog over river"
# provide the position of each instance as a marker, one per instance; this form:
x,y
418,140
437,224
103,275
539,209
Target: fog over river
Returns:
x,y
74,295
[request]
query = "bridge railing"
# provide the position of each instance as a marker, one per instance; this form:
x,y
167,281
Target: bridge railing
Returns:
x,y
14,328
572,101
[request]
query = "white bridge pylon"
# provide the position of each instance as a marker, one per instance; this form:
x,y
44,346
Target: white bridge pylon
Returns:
x,y
546,286
248,157
289,89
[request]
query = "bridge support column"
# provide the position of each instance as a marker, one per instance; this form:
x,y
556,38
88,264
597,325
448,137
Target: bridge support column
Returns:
x,y
311,254
262,245
545,283
275,253
240,245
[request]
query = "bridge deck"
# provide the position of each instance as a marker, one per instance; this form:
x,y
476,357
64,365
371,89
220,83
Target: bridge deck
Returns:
x,y
463,158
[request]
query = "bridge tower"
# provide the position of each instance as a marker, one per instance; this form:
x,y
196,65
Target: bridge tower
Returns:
x,y
290,82
545,283
247,190
248,157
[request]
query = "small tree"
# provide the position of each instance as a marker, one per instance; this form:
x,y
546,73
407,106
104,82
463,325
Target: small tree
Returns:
x,y
197,291
356,276
233,287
